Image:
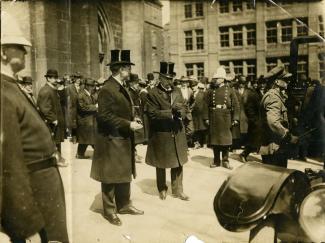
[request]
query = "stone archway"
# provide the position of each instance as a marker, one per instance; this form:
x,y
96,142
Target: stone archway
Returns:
x,y
105,40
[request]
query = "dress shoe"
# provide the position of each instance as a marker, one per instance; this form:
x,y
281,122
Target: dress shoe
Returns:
x,y
214,165
113,219
163,195
82,157
226,165
130,210
181,196
243,158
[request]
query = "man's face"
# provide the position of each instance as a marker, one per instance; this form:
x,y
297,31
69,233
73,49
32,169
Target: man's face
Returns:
x,y
29,88
125,71
90,88
52,80
15,57
77,81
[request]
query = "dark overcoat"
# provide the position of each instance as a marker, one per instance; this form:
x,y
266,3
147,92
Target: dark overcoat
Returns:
x,y
86,118
113,160
220,119
72,106
251,104
198,111
243,123
167,145
144,109
274,118
50,106
30,200
139,135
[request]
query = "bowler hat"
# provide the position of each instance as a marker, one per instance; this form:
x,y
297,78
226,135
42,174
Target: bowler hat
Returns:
x,y
167,69
120,57
27,80
51,73
150,76
134,78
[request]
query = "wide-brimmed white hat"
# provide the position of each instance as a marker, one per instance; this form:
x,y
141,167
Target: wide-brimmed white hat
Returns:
x,y
221,73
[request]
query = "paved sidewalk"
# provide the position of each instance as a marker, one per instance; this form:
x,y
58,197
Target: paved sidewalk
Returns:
x,y
170,221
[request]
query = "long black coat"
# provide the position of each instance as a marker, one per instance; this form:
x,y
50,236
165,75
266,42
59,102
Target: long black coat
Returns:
x,y
29,201
113,160
251,104
243,123
86,118
50,106
144,109
198,111
167,145
221,119
72,106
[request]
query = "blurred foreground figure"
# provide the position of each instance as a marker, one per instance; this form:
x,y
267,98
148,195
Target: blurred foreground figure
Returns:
x,y
32,204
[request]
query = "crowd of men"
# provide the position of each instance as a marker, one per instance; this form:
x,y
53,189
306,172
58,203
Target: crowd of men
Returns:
x,y
167,114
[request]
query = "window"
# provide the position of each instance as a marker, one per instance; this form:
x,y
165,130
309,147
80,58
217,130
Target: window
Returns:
x,y
302,30
286,62
237,6
302,66
188,40
199,9
271,63
238,67
189,69
199,39
251,34
200,70
188,10
271,32
224,7
286,30
250,4
321,25
251,70
321,57
238,35
224,36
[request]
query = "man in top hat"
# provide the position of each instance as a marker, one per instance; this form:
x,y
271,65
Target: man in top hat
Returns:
x,y
86,121
222,113
32,204
113,162
167,146
72,104
274,118
50,106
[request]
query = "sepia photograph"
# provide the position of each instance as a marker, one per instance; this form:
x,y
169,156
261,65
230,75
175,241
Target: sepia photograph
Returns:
x,y
162,121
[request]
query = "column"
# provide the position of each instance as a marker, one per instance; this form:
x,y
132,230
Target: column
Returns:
x,y
279,32
244,35
294,28
231,37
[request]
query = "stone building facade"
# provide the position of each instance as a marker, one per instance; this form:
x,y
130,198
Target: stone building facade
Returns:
x,y
77,35
246,38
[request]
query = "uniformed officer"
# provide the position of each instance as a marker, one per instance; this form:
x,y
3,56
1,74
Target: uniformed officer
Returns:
x,y
274,118
32,204
222,113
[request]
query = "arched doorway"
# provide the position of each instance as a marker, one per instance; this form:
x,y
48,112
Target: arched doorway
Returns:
x,y
105,40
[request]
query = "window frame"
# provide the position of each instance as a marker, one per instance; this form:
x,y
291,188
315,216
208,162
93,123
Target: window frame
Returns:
x,y
224,31
271,27
199,39
223,7
251,29
199,3
237,6
187,11
188,38
285,26
237,31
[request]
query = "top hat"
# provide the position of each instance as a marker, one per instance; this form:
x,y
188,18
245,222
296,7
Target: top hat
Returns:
x,y
134,78
120,57
26,80
167,69
51,73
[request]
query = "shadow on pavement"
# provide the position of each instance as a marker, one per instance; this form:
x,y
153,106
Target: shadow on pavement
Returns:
x,y
97,205
203,160
149,186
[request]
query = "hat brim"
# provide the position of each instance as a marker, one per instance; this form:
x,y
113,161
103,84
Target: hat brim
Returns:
x,y
120,63
167,75
51,76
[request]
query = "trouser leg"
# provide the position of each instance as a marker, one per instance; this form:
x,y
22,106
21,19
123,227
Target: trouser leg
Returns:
x,y
58,147
216,155
225,153
108,195
82,149
161,179
122,195
176,175
247,150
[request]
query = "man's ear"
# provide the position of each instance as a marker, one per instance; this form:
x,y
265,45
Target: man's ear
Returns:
x,y
4,56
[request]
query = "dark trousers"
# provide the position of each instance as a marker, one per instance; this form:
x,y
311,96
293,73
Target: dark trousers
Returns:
x,y
216,153
176,175
82,148
200,136
248,149
280,159
115,197
58,147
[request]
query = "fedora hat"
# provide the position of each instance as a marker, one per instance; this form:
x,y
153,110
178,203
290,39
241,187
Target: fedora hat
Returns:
x,y
26,80
167,69
51,73
120,57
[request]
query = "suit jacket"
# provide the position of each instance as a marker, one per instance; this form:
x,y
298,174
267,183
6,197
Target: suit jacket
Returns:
x,y
167,145
26,139
113,160
50,106
72,104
